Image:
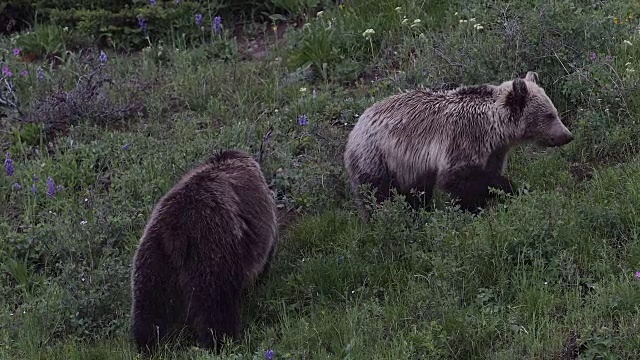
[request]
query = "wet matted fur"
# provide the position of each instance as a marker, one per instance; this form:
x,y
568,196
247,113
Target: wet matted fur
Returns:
x,y
457,140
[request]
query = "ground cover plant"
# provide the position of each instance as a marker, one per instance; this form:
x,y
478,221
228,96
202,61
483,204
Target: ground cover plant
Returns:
x,y
93,131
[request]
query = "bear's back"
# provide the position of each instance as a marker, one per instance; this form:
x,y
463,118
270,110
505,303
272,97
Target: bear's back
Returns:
x,y
219,212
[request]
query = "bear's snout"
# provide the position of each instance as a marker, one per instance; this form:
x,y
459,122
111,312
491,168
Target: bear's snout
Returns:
x,y
563,138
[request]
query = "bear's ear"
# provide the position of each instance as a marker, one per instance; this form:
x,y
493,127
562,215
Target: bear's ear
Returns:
x,y
517,98
532,76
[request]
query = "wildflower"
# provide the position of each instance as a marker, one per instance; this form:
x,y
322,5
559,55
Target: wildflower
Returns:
x,y
405,21
462,21
615,20
65,29
627,42
83,222
367,33
17,186
17,51
24,73
34,189
398,9
269,354
198,19
478,26
303,120
126,147
319,14
303,89
142,23
416,22
6,71
593,56
153,2
40,74
274,28
630,70
608,58
637,274
217,24
8,165
103,57
51,187
472,20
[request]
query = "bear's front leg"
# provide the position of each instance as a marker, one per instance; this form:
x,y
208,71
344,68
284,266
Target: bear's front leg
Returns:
x,y
469,186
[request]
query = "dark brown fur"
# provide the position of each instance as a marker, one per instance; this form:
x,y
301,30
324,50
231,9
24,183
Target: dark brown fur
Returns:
x,y
206,241
457,140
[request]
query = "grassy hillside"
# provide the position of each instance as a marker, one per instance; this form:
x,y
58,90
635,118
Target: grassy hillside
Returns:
x,y
95,139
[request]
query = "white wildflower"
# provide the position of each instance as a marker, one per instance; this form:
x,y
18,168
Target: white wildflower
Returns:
x,y
398,9
405,21
627,42
367,33
319,14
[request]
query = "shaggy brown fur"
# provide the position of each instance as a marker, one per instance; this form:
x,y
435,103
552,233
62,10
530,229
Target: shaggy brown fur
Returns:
x,y
206,241
457,140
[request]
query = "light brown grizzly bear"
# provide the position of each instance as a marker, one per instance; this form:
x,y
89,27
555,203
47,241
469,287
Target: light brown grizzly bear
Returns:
x,y
209,238
456,140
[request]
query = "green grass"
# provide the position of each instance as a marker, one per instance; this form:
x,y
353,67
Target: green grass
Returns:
x,y
551,268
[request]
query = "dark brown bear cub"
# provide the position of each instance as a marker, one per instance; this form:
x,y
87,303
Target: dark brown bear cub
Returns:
x,y
457,140
206,241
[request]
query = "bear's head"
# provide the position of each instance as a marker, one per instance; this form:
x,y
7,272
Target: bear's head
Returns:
x,y
536,113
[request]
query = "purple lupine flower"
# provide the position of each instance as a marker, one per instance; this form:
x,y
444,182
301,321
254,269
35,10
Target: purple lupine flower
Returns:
x,y
34,189
17,186
593,56
24,73
40,74
217,24
8,165
198,19
103,57
6,71
637,275
269,354
303,120
17,52
153,2
142,23
126,147
51,187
